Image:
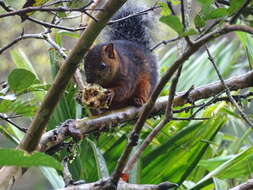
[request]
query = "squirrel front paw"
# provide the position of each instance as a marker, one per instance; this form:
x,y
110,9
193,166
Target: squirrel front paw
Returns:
x,y
109,95
139,101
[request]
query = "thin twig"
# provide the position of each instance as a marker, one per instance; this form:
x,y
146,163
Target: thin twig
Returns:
x,y
23,11
224,2
206,31
183,14
5,6
55,2
19,38
236,97
48,38
171,8
214,99
242,114
158,128
134,15
244,186
187,108
164,42
239,12
12,123
184,21
189,118
67,177
46,24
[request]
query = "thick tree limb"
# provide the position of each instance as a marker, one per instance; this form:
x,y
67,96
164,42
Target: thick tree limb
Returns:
x,y
244,186
122,186
89,125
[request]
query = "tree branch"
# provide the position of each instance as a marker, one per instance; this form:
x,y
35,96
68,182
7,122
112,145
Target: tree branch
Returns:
x,y
244,186
239,12
122,186
8,120
87,125
23,11
242,114
49,25
158,128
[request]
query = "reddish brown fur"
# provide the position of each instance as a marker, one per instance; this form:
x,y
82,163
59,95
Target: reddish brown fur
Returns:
x,y
143,89
130,72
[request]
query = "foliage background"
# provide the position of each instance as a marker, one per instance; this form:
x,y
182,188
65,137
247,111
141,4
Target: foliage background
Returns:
x,y
230,140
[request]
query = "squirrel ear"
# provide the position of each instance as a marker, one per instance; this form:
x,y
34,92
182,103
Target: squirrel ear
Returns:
x,y
109,51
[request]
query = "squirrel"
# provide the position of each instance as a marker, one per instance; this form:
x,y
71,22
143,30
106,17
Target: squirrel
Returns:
x,y
124,65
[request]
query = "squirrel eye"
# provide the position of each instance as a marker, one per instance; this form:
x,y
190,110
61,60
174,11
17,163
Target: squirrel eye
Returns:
x,y
102,66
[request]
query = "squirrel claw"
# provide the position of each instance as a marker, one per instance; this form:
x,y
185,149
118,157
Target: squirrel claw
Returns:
x,y
109,94
139,102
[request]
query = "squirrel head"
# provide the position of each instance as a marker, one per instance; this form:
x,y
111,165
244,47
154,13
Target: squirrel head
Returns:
x,y
101,64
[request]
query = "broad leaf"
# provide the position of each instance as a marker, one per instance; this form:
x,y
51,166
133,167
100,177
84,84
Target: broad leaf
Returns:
x,y
240,164
185,149
199,21
100,161
173,22
23,159
235,5
217,13
21,79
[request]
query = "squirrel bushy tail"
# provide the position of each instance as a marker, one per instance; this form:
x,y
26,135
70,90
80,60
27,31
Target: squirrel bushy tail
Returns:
x,y
132,29
123,63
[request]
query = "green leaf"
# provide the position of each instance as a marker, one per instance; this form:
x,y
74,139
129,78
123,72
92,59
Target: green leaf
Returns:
x,y
174,2
239,165
55,60
21,61
217,13
67,105
58,36
20,79
173,22
85,165
205,2
165,9
185,149
8,133
199,21
213,163
34,3
101,164
13,157
189,32
247,43
114,152
220,184
17,107
134,176
77,3
53,177
235,5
